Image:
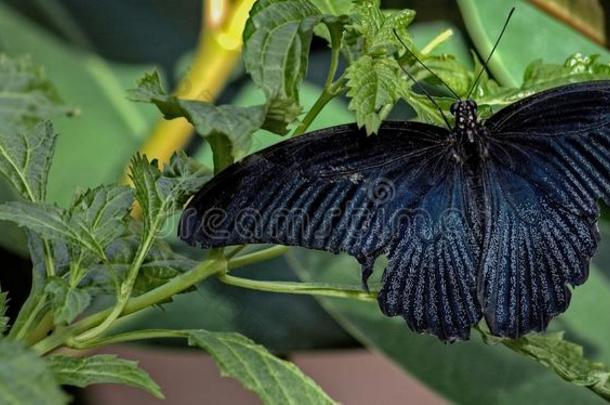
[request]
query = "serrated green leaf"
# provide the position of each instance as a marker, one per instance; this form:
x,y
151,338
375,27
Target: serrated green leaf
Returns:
x,y
274,380
426,111
377,28
67,301
26,96
160,265
236,124
25,158
565,358
48,221
98,215
102,369
25,378
161,193
374,88
277,39
540,76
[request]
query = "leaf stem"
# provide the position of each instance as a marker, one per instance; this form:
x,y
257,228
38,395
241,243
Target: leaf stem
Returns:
x,y
297,288
326,95
156,296
256,257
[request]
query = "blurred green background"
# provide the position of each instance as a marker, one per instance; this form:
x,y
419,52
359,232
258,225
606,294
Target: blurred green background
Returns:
x,y
94,50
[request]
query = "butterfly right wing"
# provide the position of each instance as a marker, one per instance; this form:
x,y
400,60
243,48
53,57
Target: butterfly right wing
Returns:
x,y
340,190
548,165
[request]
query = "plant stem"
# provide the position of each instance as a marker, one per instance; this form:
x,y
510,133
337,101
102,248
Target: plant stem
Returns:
x,y
324,98
297,288
132,336
156,296
328,93
438,40
256,257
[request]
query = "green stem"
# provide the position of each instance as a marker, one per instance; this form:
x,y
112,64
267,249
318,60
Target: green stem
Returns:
x,y
297,288
324,98
328,93
131,337
153,297
256,257
25,328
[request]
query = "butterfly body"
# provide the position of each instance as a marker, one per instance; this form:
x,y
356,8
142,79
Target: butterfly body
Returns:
x,y
493,218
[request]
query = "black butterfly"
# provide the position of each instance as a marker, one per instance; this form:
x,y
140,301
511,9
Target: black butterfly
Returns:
x,y
493,218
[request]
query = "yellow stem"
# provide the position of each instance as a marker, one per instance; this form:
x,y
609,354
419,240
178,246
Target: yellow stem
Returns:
x,y
216,55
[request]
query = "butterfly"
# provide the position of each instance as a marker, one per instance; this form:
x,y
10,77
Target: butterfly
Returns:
x,y
492,219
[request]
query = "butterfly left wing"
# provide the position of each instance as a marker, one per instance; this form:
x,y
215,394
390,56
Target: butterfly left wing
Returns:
x,y
399,192
548,165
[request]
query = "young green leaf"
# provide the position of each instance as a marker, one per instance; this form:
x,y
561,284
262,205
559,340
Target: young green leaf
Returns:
x,y
25,378
160,265
99,214
566,359
377,28
277,39
374,88
162,192
540,76
274,380
102,369
235,124
68,302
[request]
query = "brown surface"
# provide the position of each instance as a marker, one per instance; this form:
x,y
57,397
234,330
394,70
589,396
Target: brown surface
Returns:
x,y
351,377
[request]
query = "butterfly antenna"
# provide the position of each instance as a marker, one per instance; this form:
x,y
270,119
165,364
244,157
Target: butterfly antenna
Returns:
x,y
410,52
423,90
484,67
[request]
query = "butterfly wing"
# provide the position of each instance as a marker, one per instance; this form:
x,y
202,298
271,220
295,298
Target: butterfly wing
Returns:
x,y
342,191
548,165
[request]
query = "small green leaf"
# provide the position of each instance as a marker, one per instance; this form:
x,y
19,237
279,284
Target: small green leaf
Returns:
x,y
374,88
274,380
161,193
160,266
377,27
236,124
68,302
102,369
25,378
540,76
99,214
565,358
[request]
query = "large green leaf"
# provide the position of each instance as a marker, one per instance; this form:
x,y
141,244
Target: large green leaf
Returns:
x,y
25,378
95,147
531,35
235,124
466,372
274,380
277,40
109,128
101,369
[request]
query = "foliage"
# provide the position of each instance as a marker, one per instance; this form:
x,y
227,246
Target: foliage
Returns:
x,y
108,240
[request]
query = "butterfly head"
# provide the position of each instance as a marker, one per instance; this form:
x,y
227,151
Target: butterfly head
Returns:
x,y
466,121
